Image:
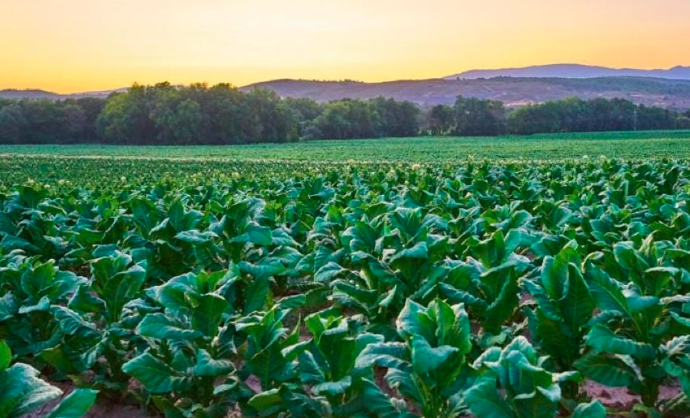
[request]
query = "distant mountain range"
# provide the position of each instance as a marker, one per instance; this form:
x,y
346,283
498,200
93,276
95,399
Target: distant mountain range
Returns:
x,y
43,94
573,71
517,86
512,91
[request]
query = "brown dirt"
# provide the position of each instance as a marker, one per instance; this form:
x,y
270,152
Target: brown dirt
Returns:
x,y
254,383
615,398
620,399
102,408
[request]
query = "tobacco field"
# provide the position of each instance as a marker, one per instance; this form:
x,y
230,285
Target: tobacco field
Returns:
x,y
293,289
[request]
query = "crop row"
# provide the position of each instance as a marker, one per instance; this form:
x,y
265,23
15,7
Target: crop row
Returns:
x,y
493,290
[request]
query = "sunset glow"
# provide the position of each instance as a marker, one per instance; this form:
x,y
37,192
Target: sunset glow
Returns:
x,y
80,45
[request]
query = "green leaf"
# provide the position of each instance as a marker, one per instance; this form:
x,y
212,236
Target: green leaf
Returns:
x,y
266,400
578,304
6,224
389,355
418,251
8,307
83,300
156,376
554,276
485,402
609,371
333,388
72,323
11,242
210,367
196,237
5,355
162,327
207,316
382,405
21,391
607,293
603,339
36,280
409,320
365,237
119,284
328,272
426,358
593,409
76,405
256,295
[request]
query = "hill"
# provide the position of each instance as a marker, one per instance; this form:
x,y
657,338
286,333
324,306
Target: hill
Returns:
x,y
574,71
28,94
43,94
512,91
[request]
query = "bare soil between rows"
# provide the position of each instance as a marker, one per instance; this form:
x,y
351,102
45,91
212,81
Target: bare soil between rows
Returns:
x,y
614,399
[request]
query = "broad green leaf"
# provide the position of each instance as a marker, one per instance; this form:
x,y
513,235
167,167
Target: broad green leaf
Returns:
x,y
328,272
484,401
603,339
426,358
390,355
5,355
207,316
266,400
196,237
156,376
594,409
609,371
8,306
333,388
76,405
21,391
210,367
162,327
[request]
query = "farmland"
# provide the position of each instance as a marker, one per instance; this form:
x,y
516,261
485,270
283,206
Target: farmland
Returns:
x,y
432,277
419,149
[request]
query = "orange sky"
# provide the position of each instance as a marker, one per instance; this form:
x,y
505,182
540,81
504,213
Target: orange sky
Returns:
x,y
80,45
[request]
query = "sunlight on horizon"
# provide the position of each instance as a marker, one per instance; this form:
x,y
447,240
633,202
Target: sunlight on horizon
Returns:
x,y
81,45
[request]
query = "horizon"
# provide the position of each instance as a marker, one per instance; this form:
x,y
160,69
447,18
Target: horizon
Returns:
x,y
91,46
334,80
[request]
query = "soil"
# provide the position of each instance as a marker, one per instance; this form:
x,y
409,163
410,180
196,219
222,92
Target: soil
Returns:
x,y
102,409
620,399
614,399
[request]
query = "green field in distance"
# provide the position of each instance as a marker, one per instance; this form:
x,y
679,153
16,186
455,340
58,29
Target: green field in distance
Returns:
x,y
651,144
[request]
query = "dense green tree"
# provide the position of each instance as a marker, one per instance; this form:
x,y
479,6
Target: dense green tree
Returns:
x,y
577,115
374,118
12,123
652,118
396,119
75,123
441,120
275,120
477,117
531,119
229,118
347,119
126,118
45,122
222,114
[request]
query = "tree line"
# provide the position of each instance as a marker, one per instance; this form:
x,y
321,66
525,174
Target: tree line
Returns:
x,y
222,114
476,117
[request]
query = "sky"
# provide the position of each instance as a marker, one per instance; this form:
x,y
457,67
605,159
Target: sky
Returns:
x,y
86,45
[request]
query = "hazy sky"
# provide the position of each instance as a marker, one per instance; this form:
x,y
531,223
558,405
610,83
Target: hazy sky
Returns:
x,y
77,45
